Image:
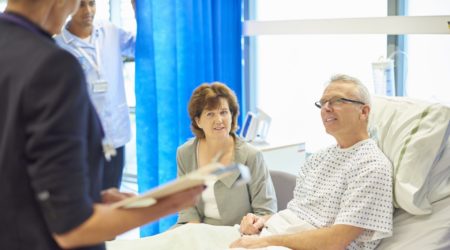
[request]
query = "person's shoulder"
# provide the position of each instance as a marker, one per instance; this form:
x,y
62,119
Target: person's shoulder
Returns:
x,y
371,156
371,148
67,70
41,51
62,56
247,153
32,40
188,146
64,68
244,146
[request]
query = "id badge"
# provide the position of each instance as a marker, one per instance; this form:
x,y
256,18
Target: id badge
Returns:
x,y
99,86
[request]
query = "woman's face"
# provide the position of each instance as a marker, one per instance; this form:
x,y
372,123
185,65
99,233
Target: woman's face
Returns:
x,y
216,123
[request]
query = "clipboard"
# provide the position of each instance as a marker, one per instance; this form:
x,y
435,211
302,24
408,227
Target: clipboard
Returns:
x,y
213,171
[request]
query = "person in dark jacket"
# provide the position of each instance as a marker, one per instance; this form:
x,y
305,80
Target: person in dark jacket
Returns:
x,y
51,149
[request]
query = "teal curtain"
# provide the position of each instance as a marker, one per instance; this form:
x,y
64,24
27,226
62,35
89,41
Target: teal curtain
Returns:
x,y
180,44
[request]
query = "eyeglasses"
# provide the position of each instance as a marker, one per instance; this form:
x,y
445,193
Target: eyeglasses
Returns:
x,y
336,100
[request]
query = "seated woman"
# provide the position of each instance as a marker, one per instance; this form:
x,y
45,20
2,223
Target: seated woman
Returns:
x,y
213,109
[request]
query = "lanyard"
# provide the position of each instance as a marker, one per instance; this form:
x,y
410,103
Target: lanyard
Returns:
x,y
96,64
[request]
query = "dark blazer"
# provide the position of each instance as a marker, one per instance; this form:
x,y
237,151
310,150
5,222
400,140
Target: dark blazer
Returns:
x,y
50,141
257,197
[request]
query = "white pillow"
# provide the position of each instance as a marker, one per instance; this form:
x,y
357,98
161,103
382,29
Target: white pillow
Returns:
x,y
439,178
412,134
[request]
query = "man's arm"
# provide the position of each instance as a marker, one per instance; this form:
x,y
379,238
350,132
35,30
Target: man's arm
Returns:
x,y
127,39
106,222
334,237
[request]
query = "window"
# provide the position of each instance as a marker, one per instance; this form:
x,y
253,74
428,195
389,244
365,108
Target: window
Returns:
x,y
290,70
285,72
103,10
122,15
427,56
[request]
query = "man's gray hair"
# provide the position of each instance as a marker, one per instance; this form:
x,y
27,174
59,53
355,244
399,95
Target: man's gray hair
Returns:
x,y
363,92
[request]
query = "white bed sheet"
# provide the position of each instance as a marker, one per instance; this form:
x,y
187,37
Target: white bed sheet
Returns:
x,y
186,237
411,232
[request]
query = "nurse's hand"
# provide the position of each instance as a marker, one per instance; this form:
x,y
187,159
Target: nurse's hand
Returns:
x,y
112,195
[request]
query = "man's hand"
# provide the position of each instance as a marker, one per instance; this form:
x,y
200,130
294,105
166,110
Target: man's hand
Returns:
x,y
112,195
252,224
252,241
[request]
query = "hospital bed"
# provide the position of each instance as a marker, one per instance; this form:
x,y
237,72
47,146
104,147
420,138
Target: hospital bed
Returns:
x,y
414,135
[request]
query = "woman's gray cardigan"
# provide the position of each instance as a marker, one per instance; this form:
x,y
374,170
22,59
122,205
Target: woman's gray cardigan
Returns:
x,y
257,197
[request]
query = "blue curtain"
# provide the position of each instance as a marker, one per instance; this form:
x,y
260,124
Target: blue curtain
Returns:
x,y
180,44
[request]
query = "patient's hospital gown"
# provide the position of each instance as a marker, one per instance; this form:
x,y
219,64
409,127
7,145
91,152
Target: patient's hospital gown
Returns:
x,y
351,186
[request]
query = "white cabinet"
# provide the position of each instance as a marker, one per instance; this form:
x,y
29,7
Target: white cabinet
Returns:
x,y
287,157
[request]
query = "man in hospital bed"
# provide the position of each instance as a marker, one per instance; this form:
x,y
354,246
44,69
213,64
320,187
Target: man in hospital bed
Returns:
x,y
343,195
342,199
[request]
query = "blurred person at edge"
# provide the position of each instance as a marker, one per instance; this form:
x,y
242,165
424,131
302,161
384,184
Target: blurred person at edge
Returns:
x,y
51,142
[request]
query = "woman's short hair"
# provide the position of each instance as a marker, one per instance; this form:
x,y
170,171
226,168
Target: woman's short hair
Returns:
x,y
207,96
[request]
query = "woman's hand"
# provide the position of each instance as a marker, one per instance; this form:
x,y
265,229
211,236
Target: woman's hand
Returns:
x,y
252,224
